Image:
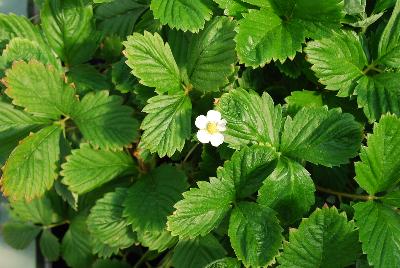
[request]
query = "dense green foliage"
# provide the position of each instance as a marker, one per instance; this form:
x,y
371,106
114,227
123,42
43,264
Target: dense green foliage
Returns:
x,y
99,105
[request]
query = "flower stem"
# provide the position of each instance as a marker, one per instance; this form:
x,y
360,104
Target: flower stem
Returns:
x,y
351,196
190,152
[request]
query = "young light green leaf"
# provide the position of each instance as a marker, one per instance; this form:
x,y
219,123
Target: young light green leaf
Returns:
x,y
182,14
19,235
325,239
379,169
251,119
167,124
87,168
304,98
379,233
49,245
321,136
255,234
233,7
198,252
106,223
289,190
104,121
40,89
32,167
202,209
152,61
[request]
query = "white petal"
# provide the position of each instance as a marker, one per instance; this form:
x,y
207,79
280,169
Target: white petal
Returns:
x,y
203,136
217,139
201,122
213,116
221,125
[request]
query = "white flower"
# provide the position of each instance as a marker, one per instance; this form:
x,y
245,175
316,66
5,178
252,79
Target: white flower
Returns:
x,y
211,127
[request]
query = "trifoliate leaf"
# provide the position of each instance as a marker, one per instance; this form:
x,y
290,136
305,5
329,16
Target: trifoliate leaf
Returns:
x,y
38,211
40,89
225,263
198,252
289,190
255,234
248,168
202,209
251,119
49,245
70,29
105,221
338,61
379,169
167,124
18,26
31,168
152,61
87,168
19,235
104,121
321,136
182,14
379,233
159,241
325,239
212,55
150,200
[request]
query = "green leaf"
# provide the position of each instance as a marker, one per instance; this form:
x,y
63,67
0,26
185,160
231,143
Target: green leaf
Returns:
x,y
321,136
378,169
103,250
159,241
38,211
19,235
255,234
251,119
389,45
105,221
392,198
40,89
338,61
14,126
18,26
32,167
152,61
202,209
87,168
182,14
233,7
104,121
167,124
106,263
70,29
49,245
304,98
379,233
150,200
248,168
289,190
87,78
225,263
212,55
325,239
198,252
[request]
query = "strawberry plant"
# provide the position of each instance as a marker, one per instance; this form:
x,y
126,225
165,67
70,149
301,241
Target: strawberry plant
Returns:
x,y
178,133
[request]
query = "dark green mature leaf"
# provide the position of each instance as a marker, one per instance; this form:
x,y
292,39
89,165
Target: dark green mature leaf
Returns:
x,y
40,89
202,209
392,198
182,14
103,250
304,98
379,169
152,61
325,239
105,221
198,252
19,235
150,200
159,241
321,136
104,121
167,124
255,234
225,263
289,190
251,119
18,26
87,78
49,245
32,167
87,168
70,30
212,55
379,233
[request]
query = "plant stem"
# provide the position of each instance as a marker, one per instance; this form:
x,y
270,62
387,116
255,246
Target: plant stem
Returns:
x,y
190,152
56,224
351,196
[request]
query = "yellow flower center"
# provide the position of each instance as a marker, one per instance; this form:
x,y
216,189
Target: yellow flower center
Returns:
x,y
212,128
